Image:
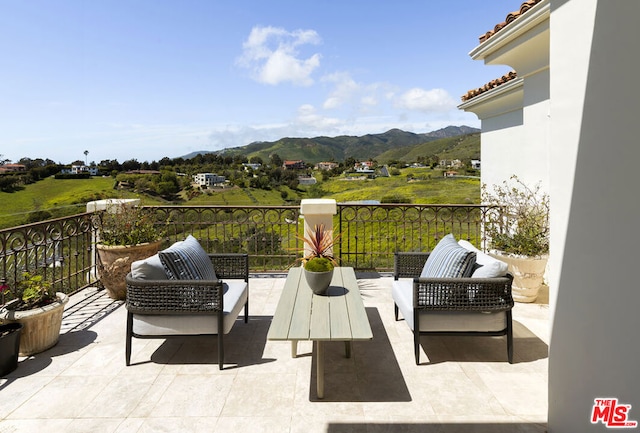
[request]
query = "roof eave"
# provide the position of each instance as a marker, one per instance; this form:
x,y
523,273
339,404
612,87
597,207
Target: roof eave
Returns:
x,y
536,15
491,94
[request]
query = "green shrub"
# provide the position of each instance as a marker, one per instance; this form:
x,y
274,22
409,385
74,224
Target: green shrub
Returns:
x,y
518,219
318,264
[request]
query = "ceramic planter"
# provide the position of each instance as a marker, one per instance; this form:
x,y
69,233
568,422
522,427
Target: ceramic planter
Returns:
x,y
9,346
528,275
318,282
115,263
40,326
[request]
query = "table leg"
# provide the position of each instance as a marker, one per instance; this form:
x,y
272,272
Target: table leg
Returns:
x,y
294,348
320,368
347,349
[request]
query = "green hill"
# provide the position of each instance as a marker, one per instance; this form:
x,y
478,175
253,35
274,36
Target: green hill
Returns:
x,y
370,146
461,147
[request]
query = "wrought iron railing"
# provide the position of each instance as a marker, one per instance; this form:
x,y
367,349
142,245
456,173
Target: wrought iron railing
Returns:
x,y
267,233
62,249
371,234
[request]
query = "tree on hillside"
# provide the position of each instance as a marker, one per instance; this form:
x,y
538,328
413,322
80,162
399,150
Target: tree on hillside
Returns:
x,y
275,159
131,164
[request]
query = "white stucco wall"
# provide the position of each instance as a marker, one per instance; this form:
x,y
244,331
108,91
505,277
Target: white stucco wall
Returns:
x,y
595,153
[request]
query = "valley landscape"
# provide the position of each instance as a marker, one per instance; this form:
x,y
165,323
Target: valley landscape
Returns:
x,y
416,170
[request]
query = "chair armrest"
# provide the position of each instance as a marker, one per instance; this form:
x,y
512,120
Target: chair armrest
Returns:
x,y
408,265
464,294
174,296
233,266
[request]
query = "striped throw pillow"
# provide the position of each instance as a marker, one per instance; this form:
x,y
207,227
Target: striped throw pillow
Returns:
x,y
449,260
187,260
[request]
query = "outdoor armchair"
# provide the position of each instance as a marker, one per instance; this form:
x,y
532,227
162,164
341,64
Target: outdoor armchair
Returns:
x,y
451,306
164,308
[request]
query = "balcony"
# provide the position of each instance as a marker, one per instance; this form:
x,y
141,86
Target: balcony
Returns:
x,y
82,384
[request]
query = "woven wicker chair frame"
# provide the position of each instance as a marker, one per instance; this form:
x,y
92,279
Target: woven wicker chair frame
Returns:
x,y
185,297
455,295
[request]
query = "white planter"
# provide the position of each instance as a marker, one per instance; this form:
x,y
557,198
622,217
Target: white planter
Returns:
x,y
528,275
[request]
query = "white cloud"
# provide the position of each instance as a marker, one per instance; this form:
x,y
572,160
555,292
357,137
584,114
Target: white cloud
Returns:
x,y
428,101
272,54
343,92
309,118
347,93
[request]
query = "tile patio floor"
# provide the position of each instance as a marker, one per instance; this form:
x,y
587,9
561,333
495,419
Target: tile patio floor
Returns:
x,y
464,384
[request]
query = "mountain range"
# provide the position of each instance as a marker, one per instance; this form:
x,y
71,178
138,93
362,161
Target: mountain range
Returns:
x,y
461,142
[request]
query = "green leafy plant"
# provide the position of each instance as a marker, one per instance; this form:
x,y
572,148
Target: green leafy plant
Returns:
x,y
32,292
319,243
128,226
517,219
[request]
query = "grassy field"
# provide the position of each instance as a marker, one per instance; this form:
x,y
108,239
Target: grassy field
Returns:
x,y
60,197
416,185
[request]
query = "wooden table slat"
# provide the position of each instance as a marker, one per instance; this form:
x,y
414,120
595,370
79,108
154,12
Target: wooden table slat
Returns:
x,y
301,320
360,327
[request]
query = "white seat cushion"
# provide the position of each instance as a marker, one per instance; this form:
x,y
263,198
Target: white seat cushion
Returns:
x,y
441,321
235,297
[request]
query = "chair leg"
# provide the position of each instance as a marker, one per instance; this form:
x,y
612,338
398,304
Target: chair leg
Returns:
x,y
220,350
509,337
127,350
220,340
416,335
395,308
246,311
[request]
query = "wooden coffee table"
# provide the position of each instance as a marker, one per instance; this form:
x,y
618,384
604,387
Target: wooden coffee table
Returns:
x,y
337,316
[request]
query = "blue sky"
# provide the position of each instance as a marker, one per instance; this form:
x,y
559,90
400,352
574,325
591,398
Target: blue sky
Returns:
x,y
146,79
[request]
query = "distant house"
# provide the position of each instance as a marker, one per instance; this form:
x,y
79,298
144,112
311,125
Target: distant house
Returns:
x,y
326,165
12,168
208,179
363,167
80,169
451,163
306,180
475,164
253,166
294,165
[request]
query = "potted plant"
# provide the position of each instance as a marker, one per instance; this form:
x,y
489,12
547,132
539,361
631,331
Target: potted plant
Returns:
x,y
38,308
517,228
127,234
318,261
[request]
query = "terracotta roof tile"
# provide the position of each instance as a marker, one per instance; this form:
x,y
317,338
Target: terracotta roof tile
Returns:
x,y
511,17
490,85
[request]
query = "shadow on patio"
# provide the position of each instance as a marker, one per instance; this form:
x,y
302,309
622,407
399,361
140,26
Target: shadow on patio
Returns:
x,y
82,383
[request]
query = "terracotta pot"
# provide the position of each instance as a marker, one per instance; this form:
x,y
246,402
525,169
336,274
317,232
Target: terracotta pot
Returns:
x,y
40,326
318,282
528,275
115,263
